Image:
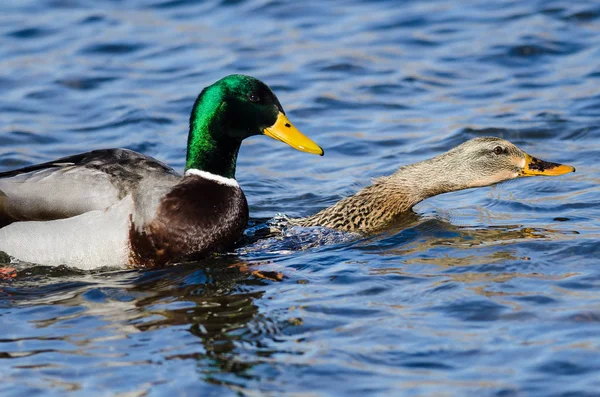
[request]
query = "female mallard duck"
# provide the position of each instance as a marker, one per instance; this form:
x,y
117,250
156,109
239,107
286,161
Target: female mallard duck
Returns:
x,y
116,207
476,163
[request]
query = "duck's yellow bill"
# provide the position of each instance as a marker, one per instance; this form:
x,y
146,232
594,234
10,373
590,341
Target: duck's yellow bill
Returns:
x,y
285,131
534,166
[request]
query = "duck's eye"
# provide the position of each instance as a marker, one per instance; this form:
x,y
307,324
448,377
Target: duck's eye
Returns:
x,y
498,150
253,98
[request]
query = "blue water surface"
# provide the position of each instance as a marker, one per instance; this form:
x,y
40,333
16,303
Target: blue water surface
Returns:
x,y
486,292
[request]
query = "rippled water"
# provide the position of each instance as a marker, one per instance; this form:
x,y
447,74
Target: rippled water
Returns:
x,y
487,292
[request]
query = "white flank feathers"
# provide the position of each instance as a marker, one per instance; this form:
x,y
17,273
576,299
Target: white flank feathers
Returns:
x,y
95,239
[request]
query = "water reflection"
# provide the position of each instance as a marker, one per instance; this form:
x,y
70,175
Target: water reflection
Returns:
x,y
213,300
422,234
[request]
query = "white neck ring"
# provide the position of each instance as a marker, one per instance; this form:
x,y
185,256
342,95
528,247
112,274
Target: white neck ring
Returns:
x,y
221,180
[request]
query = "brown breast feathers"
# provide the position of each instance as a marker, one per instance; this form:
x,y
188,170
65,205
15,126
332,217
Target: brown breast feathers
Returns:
x,y
198,217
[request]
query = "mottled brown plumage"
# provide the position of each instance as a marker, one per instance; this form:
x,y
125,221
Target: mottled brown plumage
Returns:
x,y
476,163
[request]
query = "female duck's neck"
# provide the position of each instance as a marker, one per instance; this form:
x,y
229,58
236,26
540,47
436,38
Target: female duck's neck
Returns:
x,y
204,151
389,197
430,177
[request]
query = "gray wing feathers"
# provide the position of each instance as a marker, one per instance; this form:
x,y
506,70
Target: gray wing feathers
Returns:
x,y
56,193
77,184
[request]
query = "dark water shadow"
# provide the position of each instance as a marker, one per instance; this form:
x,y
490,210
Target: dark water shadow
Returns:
x,y
214,300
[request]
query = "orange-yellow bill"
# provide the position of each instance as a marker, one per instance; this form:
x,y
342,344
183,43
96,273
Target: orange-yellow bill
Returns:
x,y
283,130
534,166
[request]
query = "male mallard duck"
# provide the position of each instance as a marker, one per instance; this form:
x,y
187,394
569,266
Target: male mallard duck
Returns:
x,y
475,163
116,207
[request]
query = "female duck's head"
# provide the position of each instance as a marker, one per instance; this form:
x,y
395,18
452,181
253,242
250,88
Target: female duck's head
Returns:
x,y
488,160
230,110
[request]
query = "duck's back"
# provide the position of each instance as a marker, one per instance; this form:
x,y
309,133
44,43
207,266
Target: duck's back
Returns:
x,y
78,210
78,184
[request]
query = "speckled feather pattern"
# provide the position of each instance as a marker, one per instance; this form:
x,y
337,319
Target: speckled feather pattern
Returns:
x,y
471,164
369,209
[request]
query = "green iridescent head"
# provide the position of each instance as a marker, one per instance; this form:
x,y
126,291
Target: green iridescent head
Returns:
x,y
230,110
